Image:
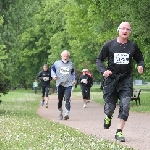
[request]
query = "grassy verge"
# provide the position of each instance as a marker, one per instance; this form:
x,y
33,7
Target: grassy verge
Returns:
x,y
144,107
22,129
93,89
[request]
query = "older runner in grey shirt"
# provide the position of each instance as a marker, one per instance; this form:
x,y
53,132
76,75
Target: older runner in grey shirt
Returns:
x,y
63,72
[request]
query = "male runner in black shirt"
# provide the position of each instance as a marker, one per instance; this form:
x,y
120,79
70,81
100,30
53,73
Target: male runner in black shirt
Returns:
x,y
118,83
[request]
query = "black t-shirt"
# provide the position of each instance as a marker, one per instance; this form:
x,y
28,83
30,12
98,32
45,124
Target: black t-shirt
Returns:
x,y
119,57
88,78
48,78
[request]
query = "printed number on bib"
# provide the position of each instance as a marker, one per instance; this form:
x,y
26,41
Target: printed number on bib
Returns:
x,y
64,70
121,58
46,78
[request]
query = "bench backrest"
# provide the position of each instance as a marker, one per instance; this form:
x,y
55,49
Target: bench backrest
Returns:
x,y
136,93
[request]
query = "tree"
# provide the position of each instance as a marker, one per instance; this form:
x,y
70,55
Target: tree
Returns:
x,y
17,16
35,33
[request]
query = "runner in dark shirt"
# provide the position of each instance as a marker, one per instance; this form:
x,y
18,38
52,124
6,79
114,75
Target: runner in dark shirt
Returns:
x,y
45,78
84,81
118,83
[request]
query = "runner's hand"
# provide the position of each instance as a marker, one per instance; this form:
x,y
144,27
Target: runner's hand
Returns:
x,y
74,82
107,73
140,69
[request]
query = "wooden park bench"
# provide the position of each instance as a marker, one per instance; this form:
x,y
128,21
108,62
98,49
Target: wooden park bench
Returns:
x,y
136,96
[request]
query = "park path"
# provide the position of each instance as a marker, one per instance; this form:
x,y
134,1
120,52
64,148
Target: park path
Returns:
x,y
90,121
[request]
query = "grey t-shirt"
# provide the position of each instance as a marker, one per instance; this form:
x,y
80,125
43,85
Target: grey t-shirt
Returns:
x,y
64,72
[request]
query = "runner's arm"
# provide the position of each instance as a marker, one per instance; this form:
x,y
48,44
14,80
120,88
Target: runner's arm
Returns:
x,y
53,71
138,57
100,59
73,75
40,76
50,77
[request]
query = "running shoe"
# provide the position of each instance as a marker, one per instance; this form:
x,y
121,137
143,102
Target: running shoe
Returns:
x,y
84,106
107,123
119,137
42,102
46,105
66,117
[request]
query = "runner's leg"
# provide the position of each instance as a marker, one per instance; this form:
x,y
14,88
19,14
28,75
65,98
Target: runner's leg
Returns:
x,y
60,91
67,102
46,96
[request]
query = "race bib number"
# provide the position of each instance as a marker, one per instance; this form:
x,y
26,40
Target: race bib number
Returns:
x,y
64,70
121,58
46,78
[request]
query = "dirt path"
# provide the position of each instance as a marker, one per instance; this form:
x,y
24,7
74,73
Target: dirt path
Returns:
x,y
90,121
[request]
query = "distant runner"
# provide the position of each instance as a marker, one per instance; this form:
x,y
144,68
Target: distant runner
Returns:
x,y
35,86
84,81
45,78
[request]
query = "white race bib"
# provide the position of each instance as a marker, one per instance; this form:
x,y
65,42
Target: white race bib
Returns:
x,y
64,70
46,78
121,58
84,80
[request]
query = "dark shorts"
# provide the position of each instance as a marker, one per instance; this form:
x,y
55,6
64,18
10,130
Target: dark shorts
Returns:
x,y
85,92
45,91
64,92
114,90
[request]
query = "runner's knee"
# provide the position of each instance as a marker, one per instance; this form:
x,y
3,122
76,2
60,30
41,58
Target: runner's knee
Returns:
x,y
109,108
67,105
43,94
124,108
46,94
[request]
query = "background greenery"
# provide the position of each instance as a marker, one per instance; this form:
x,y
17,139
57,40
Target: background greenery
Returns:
x,y
35,32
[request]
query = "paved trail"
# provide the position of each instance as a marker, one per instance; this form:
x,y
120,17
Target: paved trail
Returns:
x,y
90,121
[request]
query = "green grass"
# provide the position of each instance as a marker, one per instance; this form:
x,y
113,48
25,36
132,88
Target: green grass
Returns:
x,y
96,88
93,89
146,86
22,129
97,96
145,101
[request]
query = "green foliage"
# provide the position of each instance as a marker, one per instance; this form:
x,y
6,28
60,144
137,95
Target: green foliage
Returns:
x,y
4,77
35,33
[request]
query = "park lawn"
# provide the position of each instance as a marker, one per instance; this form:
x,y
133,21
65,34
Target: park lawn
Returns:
x,y
144,107
22,129
97,96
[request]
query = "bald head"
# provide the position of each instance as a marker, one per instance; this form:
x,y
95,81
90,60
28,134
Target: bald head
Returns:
x,y
125,24
124,30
